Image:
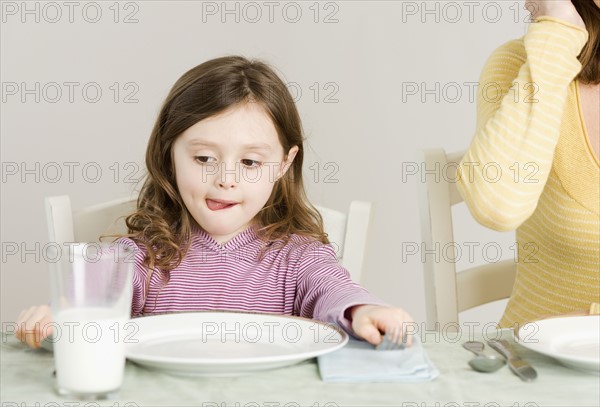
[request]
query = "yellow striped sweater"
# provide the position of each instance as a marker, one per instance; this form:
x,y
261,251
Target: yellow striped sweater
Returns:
x,y
531,168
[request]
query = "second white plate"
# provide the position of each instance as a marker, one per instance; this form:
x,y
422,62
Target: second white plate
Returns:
x,y
228,343
573,341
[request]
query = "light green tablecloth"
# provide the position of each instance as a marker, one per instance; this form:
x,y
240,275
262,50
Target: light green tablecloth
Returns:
x,y
26,379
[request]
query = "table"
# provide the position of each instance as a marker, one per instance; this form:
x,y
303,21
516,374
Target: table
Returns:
x,y
26,379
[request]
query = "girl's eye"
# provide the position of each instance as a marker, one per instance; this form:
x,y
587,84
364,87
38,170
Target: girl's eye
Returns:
x,y
251,163
205,159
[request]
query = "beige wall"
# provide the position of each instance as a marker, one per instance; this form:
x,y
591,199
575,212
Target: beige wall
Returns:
x,y
372,61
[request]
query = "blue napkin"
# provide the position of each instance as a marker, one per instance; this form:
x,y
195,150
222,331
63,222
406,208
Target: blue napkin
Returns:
x,y
358,361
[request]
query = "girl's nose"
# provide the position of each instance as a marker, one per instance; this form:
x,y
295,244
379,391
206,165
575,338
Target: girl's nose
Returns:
x,y
229,176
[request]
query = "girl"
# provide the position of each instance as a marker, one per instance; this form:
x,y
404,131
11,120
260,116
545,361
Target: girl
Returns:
x,y
539,121
222,220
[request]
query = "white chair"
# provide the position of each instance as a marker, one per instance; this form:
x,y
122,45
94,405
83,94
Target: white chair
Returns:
x,y
447,293
348,233
86,225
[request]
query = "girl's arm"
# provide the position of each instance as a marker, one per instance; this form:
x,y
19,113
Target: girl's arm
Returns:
x,y
140,275
326,292
521,97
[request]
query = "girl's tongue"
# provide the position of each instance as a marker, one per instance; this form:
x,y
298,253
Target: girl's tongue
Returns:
x,y
218,205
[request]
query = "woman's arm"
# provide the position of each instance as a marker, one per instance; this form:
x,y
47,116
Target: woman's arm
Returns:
x,y
521,97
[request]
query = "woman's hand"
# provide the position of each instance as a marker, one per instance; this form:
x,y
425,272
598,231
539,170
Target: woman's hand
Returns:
x,y
31,325
561,9
370,321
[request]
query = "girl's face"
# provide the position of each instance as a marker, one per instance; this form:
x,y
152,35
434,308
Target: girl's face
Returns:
x,y
226,167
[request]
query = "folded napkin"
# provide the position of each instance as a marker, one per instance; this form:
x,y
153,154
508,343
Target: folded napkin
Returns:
x,y
358,361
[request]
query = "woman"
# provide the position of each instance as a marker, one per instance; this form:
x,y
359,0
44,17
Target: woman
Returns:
x,y
533,163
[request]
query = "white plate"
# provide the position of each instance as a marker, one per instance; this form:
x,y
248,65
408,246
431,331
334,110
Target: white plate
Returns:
x,y
228,343
573,341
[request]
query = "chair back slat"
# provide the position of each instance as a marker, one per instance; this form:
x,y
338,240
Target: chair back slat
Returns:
x,y
448,292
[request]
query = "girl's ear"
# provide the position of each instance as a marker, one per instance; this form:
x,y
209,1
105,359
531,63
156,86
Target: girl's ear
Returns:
x,y
287,162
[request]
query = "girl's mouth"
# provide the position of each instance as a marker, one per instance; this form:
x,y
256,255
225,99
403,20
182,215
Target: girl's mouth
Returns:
x,y
217,204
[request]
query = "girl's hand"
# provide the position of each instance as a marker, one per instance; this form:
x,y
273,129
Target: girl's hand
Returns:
x,y
370,322
31,325
561,9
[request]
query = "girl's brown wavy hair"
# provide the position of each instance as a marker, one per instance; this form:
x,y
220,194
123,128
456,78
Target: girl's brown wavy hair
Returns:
x,y
590,54
162,222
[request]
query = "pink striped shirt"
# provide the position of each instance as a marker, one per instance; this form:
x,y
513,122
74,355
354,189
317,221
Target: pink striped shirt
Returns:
x,y
302,278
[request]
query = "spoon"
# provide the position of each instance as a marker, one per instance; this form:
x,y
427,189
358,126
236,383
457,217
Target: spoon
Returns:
x,y
482,362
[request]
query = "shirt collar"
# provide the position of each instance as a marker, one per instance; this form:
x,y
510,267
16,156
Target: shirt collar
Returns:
x,y
240,240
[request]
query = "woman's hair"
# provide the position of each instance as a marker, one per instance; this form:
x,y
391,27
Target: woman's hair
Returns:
x,y
162,222
590,55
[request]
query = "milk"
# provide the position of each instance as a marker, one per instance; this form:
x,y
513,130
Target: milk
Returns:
x,y
89,349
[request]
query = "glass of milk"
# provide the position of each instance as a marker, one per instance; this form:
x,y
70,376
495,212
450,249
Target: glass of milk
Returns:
x,y
91,306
